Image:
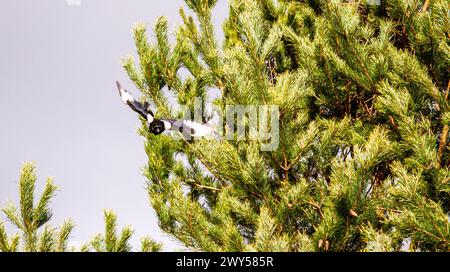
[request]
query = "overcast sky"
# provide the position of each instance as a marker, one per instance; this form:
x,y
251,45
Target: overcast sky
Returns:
x,y
59,107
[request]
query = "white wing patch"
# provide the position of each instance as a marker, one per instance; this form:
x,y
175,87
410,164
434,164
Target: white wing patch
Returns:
x,y
126,96
167,125
150,118
199,129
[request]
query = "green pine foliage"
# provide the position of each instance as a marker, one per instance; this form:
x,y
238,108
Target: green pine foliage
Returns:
x,y
110,241
363,156
149,245
35,234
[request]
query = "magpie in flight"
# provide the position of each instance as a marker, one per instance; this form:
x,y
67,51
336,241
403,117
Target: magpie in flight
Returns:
x,y
158,126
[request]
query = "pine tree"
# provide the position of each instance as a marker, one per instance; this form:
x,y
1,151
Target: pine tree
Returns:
x,y
32,218
362,89
111,242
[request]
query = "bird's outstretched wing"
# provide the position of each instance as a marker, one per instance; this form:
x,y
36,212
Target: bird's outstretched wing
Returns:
x,y
142,108
124,94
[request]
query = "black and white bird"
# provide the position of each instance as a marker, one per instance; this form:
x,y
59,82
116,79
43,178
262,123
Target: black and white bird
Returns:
x,y
158,126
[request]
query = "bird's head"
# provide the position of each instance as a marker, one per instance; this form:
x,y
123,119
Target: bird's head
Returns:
x,y
156,127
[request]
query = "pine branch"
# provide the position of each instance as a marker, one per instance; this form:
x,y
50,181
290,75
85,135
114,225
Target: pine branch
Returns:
x,y
444,135
63,236
425,5
41,213
148,245
359,105
47,240
123,241
31,218
110,231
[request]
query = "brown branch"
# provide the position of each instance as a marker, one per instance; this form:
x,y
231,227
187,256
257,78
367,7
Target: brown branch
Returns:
x,y
285,167
446,92
193,183
317,206
425,5
206,187
444,135
366,108
201,158
295,160
391,119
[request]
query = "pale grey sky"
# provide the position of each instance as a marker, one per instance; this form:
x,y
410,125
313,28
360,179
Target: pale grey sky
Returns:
x,y
59,107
